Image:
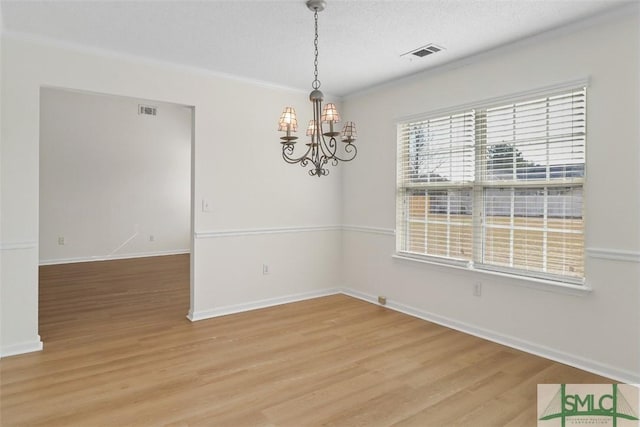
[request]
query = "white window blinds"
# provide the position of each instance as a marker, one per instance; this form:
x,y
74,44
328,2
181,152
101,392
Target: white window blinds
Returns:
x,y
540,140
435,179
498,187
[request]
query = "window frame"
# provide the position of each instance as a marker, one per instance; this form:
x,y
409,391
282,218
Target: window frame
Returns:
x,y
478,187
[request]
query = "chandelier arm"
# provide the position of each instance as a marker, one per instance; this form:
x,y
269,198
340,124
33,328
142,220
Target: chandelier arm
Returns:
x,y
287,152
315,153
323,147
318,154
348,148
329,149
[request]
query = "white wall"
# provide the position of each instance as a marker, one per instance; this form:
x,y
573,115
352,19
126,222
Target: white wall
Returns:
x,y
2,277
113,183
255,197
599,330
266,212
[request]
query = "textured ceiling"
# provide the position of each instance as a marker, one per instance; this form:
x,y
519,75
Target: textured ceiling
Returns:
x,y
272,41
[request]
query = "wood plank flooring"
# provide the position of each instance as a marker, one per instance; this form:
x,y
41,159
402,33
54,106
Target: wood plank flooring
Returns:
x,y
120,352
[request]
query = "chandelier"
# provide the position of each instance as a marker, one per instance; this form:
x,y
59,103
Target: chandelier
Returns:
x,y
322,147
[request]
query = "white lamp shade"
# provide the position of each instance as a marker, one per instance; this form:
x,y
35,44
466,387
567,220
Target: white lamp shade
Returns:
x,y
349,132
312,128
288,120
330,113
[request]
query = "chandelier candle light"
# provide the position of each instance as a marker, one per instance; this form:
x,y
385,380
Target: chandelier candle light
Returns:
x,y
320,151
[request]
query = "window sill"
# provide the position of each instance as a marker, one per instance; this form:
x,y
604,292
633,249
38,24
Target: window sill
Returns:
x,y
528,282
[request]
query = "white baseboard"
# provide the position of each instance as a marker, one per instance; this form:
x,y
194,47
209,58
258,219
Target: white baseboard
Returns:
x,y
113,257
589,365
21,348
254,305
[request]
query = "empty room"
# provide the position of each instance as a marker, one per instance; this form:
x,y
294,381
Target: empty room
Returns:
x,y
306,213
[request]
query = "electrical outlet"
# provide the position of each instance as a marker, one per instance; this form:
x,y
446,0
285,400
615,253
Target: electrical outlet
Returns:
x,y
206,205
61,240
382,300
477,289
265,269
152,238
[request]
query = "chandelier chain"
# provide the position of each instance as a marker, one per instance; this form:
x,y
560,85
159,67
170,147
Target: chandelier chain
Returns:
x,y
316,82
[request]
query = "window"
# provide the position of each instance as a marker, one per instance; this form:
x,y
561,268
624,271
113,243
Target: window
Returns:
x,y
499,187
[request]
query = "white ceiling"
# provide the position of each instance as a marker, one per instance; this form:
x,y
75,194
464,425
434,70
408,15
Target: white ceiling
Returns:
x,y
272,41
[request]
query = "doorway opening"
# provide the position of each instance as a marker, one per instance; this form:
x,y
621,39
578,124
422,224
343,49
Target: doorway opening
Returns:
x,y
115,212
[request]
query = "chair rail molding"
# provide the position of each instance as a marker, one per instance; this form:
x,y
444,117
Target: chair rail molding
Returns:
x,y
614,254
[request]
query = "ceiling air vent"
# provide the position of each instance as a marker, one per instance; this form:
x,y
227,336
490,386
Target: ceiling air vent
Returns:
x,y
147,110
423,51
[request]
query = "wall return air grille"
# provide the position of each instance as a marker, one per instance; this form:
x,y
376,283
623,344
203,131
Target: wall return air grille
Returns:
x,y
147,110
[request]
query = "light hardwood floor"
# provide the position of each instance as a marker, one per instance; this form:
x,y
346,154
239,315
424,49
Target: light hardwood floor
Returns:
x,y
120,352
